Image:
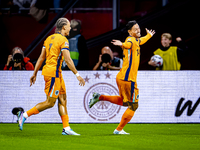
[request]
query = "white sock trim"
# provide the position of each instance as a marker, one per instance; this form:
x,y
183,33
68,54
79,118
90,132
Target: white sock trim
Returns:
x,y
67,128
25,115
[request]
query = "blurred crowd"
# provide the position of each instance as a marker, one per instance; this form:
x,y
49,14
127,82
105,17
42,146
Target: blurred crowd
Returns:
x,y
109,59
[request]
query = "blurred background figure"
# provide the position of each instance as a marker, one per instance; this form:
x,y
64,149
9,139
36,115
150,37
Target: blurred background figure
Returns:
x,y
17,4
171,55
93,15
24,3
107,61
40,10
56,4
77,47
17,61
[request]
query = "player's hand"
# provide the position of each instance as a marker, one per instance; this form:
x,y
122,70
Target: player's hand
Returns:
x,y
81,81
152,32
116,42
9,60
32,80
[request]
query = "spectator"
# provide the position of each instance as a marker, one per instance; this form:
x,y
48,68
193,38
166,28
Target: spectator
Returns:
x,y
114,64
24,3
171,55
17,61
39,10
77,47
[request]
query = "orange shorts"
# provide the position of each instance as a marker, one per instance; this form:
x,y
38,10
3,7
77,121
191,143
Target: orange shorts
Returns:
x,y
128,90
54,86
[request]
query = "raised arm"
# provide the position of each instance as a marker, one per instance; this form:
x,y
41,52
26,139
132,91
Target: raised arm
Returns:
x,y
144,39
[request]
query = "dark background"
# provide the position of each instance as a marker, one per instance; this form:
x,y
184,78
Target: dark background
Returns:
x,y
180,18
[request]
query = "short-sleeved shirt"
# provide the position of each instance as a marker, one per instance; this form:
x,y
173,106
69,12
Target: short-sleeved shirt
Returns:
x,y
54,45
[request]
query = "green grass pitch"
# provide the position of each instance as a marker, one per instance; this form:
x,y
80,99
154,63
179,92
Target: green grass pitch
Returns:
x,y
100,137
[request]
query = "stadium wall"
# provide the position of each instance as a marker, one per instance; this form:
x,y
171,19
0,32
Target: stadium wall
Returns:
x,y
165,97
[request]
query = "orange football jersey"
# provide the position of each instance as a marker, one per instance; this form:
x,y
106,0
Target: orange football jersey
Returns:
x,y
54,45
131,57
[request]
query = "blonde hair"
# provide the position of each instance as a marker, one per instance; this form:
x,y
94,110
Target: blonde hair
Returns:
x,y
75,23
60,23
167,35
17,49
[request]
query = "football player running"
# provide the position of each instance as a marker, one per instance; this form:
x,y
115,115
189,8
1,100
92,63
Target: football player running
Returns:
x,y
55,49
127,77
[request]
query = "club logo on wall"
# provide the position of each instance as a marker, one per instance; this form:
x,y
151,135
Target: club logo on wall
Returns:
x,y
102,110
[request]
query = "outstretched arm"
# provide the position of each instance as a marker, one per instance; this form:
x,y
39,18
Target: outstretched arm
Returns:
x,y
37,66
116,42
144,39
123,45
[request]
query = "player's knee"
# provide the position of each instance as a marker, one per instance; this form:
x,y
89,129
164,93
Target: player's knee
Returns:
x,y
50,103
133,106
62,102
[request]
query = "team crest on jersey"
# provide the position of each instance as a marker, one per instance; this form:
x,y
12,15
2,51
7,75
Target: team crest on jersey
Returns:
x,y
66,44
137,97
56,92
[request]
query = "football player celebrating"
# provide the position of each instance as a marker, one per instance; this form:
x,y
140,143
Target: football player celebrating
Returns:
x,y
127,77
56,46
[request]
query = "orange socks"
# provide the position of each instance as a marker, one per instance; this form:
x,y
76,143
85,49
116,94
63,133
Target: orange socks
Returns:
x,y
113,99
65,120
127,116
32,111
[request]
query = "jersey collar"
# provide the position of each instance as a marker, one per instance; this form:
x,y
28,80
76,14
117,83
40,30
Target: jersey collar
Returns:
x,y
59,33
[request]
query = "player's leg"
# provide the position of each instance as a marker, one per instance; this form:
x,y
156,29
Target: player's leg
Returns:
x,y
131,97
52,90
98,97
62,109
113,99
116,99
22,116
126,117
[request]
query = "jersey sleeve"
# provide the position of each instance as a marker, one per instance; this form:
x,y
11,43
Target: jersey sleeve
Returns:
x,y
65,45
127,44
44,45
